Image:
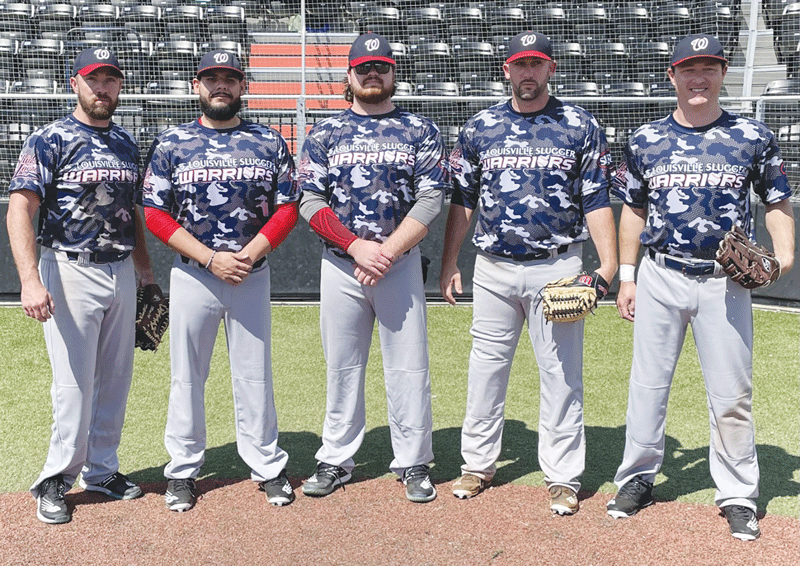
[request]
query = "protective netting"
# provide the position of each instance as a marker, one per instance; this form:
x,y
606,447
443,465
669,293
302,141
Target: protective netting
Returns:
x,y
612,58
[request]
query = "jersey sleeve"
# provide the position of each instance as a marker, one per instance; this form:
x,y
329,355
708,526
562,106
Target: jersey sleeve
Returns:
x,y
465,169
629,184
595,169
312,172
771,185
35,166
157,184
286,189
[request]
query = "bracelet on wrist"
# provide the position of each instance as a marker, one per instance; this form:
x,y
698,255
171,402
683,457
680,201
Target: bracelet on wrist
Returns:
x,y
208,264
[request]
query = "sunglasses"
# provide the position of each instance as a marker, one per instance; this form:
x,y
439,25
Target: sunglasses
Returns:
x,y
380,68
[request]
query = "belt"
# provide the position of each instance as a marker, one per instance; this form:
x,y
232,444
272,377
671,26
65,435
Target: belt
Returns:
x,y
98,257
538,254
686,267
189,261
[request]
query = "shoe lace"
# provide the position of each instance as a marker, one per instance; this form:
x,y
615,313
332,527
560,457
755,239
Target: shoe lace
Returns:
x,y
332,472
634,488
183,484
278,480
54,486
740,512
416,473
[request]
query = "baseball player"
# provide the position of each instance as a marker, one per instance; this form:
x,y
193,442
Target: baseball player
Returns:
x,y
80,173
220,191
372,180
685,181
537,168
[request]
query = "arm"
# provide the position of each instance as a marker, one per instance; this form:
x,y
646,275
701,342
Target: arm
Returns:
x,y
458,221
779,220
604,236
408,234
36,299
631,225
141,259
272,234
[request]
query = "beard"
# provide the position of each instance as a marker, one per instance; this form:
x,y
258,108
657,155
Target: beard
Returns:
x,y
98,112
372,94
527,93
221,111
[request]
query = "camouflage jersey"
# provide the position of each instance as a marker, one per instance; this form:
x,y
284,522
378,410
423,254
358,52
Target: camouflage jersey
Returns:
x,y
536,176
86,178
221,185
695,182
372,169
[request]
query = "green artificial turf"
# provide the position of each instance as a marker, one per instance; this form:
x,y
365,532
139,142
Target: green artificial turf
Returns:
x,y
299,375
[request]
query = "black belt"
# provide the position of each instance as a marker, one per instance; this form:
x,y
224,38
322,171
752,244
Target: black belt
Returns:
x,y
99,257
685,267
256,265
539,254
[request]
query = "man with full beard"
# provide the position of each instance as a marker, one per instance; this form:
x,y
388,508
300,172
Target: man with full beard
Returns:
x,y
220,191
81,174
537,171
372,180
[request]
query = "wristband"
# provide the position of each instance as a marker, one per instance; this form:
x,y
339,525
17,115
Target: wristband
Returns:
x,y
208,264
627,273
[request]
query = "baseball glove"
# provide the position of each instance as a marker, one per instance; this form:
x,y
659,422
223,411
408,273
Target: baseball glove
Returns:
x,y
572,298
747,263
152,316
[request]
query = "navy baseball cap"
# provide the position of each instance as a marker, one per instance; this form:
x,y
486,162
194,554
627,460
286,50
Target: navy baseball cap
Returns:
x,y
370,47
94,58
529,44
698,45
219,59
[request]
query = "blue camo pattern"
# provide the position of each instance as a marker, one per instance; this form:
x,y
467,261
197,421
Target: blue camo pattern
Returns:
x,y
372,169
87,180
222,186
696,183
532,174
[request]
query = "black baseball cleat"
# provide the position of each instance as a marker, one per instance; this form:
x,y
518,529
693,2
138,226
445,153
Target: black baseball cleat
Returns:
x,y
325,480
743,522
635,495
116,485
278,490
419,487
180,495
51,507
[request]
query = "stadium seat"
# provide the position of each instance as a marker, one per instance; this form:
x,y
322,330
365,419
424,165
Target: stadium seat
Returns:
x,y
649,56
569,57
145,20
184,22
404,67
672,22
552,21
608,58
465,21
787,43
55,20
226,22
97,15
443,113
384,20
590,21
10,65
178,56
433,58
633,23
506,21
476,57
44,54
424,22
16,21
781,113
720,20
403,88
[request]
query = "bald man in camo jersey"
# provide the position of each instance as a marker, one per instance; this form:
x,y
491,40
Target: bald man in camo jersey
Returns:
x,y
220,191
373,179
80,173
536,168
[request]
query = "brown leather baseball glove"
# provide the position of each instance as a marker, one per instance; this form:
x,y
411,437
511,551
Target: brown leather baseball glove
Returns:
x,y
747,263
152,316
572,298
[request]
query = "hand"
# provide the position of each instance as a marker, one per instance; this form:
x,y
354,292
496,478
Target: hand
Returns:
x,y
449,280
37,302
626,300
371,258
231,267
363,278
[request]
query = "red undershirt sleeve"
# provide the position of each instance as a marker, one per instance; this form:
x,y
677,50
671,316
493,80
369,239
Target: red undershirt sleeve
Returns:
x,y
280,224
160,223
327,224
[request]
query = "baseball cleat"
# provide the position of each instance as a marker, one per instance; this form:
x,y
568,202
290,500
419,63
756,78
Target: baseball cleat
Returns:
x,y
325,480
180,495
51,507
278,490
469,485
635,495
116,485
563,500
743,522
419,487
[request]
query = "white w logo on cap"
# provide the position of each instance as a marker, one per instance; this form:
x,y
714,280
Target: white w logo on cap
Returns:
x,y
220,58
527,40
102,54
700,43
372,44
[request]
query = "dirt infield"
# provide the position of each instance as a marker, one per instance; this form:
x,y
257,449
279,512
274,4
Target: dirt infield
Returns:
x,y
370,523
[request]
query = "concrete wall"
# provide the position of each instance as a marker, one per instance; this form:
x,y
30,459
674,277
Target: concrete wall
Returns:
x,y
295,264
